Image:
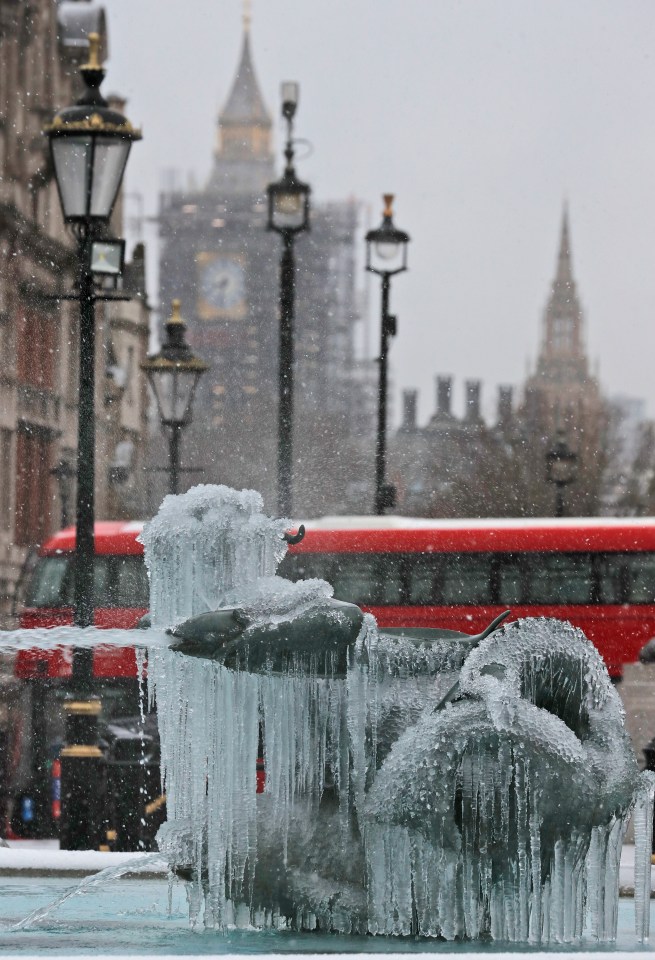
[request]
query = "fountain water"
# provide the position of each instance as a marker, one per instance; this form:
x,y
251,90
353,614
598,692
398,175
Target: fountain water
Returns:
x,y
416,783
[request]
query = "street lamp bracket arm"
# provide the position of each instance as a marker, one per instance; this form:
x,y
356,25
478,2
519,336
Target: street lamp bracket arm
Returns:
x,y
386,273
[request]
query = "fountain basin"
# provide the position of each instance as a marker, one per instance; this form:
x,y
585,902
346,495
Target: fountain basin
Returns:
x,y
413,784
130,918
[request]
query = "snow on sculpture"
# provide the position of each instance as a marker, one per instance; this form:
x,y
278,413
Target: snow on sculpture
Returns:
x,y
416,783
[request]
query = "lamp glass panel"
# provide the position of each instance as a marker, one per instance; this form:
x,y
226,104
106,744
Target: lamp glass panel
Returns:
x,y
289,209
386,255
388,250
185,385
290,91
108,167
72,159
174,391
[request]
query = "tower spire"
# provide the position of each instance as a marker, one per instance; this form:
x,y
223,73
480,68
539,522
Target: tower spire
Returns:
x,y
564,267
245,103
243,161
562,339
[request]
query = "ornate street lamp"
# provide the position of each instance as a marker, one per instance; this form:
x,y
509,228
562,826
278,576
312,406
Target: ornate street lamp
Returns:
x,y
173,375
561,468
89,145
288,215
386,255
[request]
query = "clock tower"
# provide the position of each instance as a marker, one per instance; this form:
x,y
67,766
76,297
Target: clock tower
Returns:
x,y
220,260
216,257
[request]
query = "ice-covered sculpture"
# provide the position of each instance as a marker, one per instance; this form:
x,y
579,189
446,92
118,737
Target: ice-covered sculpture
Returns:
x,y
415,782
507,797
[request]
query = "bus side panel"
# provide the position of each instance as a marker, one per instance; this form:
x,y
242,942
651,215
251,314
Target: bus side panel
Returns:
x,y
617,632
108,662
43,664
118,618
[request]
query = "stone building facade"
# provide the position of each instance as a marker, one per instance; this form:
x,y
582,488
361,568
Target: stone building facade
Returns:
x,y
220,260
42,44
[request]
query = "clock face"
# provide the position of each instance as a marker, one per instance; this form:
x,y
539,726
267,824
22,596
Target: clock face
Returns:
x,y
222,287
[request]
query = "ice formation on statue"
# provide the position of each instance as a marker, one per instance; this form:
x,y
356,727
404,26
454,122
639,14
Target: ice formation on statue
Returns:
x,y
394,801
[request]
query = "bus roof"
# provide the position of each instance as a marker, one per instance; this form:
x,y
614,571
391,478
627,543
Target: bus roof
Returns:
x,y
111,536
477,523
396,534
400,534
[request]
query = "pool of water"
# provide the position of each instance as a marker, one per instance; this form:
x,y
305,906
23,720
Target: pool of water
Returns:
x,y
130,917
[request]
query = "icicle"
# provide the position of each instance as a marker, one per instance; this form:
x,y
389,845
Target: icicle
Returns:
x,y
141,660
643,827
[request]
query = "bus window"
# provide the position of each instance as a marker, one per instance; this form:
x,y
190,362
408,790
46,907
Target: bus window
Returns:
x,y
307,566
132,586
613,573
561,578
118,581
642,577
102,584
356,578
51,584
465,578
421,574
513,575
390,587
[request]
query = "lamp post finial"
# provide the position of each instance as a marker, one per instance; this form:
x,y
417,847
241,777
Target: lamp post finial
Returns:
x,y
176,316
93,62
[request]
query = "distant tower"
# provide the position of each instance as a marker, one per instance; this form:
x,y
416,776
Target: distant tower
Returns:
x,y
243,158
561,393
219,259
562,356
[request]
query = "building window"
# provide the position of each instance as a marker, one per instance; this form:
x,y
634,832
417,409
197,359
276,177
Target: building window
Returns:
x,y
5,479
129,377
33,483
35,350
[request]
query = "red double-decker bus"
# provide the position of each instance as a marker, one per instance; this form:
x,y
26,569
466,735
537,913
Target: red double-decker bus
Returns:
x,y
121,598
599,574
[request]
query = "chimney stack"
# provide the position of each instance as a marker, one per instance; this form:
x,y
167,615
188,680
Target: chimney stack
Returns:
x,y
410,399
472,401
444,385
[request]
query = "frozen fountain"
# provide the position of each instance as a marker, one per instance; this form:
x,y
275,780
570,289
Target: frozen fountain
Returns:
x,y
417,782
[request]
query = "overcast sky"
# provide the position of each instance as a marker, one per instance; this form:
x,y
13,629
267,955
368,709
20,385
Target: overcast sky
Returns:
x,y
482,116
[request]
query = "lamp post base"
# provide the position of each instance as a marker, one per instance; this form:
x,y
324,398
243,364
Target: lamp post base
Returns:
x,y
82,778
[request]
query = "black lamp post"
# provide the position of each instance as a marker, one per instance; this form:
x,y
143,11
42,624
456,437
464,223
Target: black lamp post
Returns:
x,y
173,374
386,255
288,215
89,145
561,468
